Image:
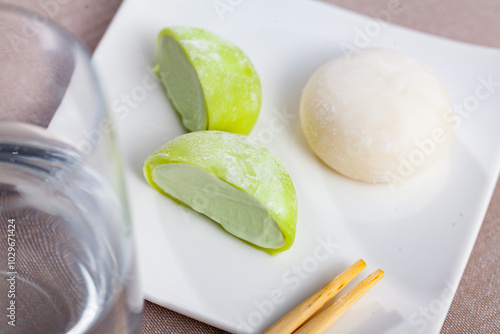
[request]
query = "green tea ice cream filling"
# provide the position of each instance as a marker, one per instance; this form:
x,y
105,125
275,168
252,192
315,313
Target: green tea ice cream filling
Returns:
x,y
182,84
236,211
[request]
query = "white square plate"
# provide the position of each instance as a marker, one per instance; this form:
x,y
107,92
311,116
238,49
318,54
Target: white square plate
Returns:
x,y
420,232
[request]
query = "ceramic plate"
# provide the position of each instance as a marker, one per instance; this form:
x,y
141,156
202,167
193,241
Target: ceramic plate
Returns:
x,y
420,232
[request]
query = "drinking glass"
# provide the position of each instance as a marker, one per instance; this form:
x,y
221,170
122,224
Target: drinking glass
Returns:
x,y
66,247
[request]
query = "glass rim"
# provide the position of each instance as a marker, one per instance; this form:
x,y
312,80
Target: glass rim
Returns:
x,y
78,48
47,21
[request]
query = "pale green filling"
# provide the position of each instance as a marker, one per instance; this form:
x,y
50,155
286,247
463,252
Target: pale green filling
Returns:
x,y
238,212
182,84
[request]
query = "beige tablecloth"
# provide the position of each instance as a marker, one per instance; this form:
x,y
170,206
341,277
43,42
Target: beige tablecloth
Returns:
x,y
476,306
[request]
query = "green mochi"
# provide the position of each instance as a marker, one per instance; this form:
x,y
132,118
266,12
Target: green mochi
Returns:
x,y
231,179
211,83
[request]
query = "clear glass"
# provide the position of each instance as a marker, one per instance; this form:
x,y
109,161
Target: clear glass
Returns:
x,y
66,248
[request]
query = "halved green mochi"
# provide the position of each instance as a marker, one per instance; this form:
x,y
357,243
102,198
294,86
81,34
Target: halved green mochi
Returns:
x,y
211,83
231,179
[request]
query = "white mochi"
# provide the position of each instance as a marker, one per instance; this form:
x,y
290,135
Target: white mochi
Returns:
x,y
376,115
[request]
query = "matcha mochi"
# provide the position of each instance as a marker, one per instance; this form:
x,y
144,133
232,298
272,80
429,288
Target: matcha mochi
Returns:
x,y
231,179
211,83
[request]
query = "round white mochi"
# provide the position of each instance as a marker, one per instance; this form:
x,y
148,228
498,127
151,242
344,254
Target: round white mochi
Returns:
x,y
376,115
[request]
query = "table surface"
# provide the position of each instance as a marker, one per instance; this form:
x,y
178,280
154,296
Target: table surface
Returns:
x,y
476,306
